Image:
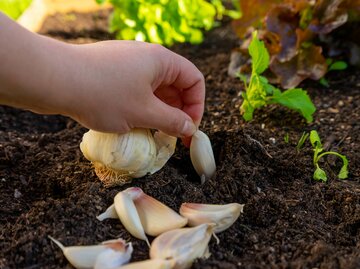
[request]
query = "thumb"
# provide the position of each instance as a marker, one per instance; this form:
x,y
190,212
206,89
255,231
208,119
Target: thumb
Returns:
x,y
168,119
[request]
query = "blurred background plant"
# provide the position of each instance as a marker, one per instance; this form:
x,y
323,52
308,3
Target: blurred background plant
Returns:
x,y
14,8
300,36
166,21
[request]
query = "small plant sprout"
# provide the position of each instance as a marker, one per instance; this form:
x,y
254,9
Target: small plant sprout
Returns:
x,y
202,156
301,141
332,65
319,173
259,92
286,138
107,255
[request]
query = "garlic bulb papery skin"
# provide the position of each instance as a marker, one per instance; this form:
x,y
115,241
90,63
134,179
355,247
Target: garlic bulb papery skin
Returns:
x,y
202,155
84,257
183,245
119,157
150,264
141,213
222,215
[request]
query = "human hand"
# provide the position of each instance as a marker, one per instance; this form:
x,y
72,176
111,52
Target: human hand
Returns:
x,y
110,86
120,85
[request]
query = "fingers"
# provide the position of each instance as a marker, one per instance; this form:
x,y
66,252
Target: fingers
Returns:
x,y
182,74
166,118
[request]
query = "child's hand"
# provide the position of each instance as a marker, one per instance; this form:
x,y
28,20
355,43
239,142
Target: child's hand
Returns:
x,y
120,85
110,86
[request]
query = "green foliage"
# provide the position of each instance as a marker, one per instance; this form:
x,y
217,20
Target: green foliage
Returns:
x,y
14,8
319,173
259,92
165,21
286,138
301,141
337,65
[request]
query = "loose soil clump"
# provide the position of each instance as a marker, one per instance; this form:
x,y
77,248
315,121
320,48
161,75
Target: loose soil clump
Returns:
x,y
289,221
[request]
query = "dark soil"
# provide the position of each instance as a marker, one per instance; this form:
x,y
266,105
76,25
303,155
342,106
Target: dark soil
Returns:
x,y
289,221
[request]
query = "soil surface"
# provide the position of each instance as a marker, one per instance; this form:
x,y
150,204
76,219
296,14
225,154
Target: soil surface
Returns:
x,y
289,221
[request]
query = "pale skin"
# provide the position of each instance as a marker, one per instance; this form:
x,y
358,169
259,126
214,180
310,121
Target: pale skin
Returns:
x,y
110,86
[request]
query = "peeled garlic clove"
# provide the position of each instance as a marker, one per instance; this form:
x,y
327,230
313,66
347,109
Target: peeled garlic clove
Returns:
x,y
202,156
150,264
128,215
183,245
222,215
113,258
85,256
110,213
119,157
156,218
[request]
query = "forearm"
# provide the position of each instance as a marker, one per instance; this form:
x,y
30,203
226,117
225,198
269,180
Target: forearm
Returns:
x,y
31,70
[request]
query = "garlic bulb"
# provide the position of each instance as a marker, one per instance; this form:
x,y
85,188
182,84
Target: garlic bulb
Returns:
x,y
202,156
119,157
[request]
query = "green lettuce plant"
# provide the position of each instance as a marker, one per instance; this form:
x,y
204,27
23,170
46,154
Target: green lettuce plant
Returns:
x,y
165,21
14,8
259,92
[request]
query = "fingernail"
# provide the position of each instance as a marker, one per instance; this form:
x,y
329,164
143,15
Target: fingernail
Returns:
x,y
188,129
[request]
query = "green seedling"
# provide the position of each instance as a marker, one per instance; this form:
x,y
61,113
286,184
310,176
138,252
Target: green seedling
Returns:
x,y
337,65
301,141
319,173
286,138
259,92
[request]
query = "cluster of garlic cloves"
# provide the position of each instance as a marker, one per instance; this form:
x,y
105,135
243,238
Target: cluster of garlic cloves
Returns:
x,y
117,158
107,255
174,247
141,214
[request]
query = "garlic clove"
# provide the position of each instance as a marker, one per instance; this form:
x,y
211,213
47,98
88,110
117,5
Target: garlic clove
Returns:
x,y
202,156
126,210
112,258
222,215
82,257
183,245
150,264
156,218
110,213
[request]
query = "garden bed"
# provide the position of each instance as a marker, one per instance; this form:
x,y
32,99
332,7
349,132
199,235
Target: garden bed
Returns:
x,y
289,221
